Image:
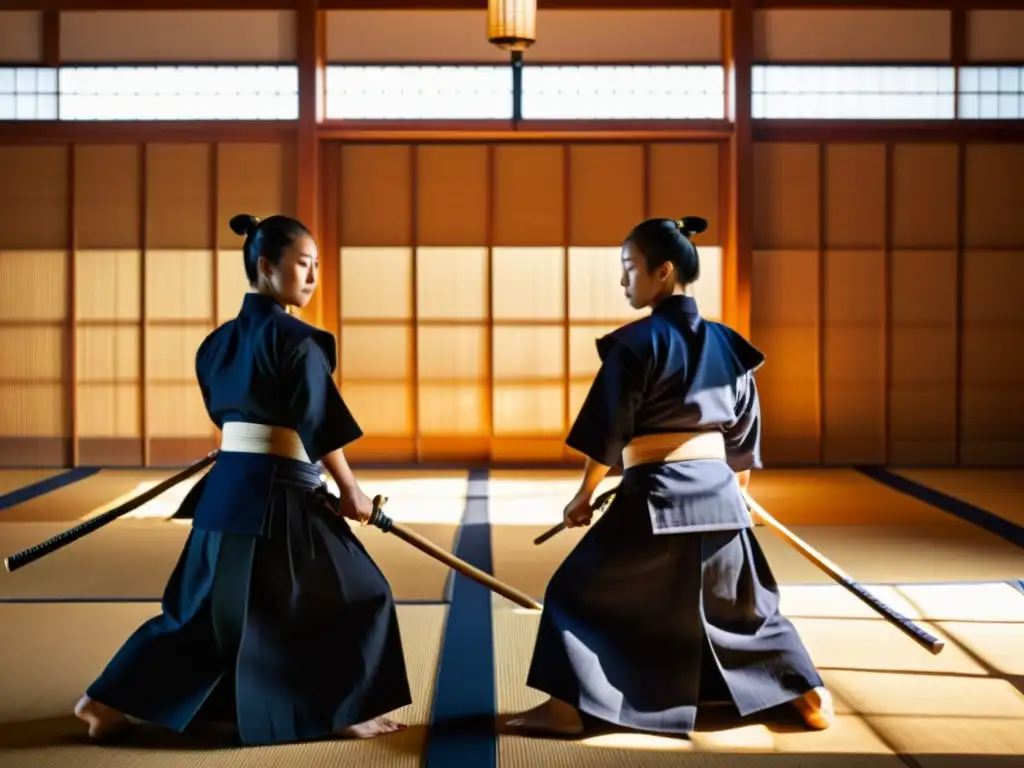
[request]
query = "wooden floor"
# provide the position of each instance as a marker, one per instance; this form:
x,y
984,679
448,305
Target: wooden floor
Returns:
x,y
943,547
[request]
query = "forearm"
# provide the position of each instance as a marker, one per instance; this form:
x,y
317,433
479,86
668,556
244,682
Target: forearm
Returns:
x,y
593,474
336,463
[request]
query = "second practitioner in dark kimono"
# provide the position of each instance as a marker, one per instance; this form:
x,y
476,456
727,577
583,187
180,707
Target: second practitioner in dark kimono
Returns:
x,y
667,602
275,618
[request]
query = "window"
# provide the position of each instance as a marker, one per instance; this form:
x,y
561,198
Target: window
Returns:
x,y
419,93
179,93
991,93
623,92
853,93
28,93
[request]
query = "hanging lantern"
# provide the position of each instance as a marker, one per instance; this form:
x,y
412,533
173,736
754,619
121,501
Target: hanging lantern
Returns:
x,y
512,24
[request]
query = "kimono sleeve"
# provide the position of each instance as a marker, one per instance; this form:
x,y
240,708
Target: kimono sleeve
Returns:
x,y
743,435
607,419
314,406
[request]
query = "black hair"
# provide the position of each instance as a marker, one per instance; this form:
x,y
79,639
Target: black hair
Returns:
x,y
661,240
268,238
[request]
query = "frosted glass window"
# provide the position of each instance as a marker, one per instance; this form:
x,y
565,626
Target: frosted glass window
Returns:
x,y
623,92
853,93
991,93
28,93
419,93
179,93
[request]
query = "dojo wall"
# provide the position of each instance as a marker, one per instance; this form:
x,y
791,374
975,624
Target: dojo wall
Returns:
x,y
152,268
467,280
475,278
886,267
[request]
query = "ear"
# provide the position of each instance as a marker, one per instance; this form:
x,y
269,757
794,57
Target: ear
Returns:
x,y
666,271
264,267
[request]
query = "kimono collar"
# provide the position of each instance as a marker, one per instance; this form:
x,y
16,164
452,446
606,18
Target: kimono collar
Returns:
x,y
260,304
679,306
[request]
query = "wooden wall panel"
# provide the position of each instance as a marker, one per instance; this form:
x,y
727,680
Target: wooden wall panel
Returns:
x,y
854,305
529,195
992,373
178,298
34,278
923,380
786,299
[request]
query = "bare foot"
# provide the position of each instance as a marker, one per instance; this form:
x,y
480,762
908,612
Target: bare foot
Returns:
x,y
816,708
376,727
103,721
553,716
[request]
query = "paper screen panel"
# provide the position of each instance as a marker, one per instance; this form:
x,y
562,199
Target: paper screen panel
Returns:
x,y
528,284
376,377
376,353
453,376
922,396
595,285
376,283
33,286
451,283
33,306
531,410
108,285
232,284
32,390
529,195
108,381
179,285
381,409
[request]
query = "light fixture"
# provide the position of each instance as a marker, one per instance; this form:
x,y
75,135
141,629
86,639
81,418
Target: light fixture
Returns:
x,y
512,24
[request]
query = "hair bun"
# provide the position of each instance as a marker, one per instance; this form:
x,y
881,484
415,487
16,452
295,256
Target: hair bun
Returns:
x,y
692,225
244,224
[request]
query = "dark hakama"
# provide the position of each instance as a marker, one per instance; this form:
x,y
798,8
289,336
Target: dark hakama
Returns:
x,y
290,635
275,617
668,602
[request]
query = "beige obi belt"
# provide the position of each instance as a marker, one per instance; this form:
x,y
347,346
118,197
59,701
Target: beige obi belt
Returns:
x,y
674,446
242,437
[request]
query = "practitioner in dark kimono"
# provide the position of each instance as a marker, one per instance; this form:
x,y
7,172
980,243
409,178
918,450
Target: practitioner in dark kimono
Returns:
x,y
667,602
275,618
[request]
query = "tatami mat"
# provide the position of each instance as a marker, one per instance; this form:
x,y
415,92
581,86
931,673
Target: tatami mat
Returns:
x,y
892,697
132,557
13,479
47,666
917,543
999,491
94,494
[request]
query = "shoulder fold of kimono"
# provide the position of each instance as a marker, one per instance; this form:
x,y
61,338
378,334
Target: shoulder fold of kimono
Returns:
x,y
637,337
296,331
749,357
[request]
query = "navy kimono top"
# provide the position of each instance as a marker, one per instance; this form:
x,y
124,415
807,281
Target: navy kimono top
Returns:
x,y
266,367
674,371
